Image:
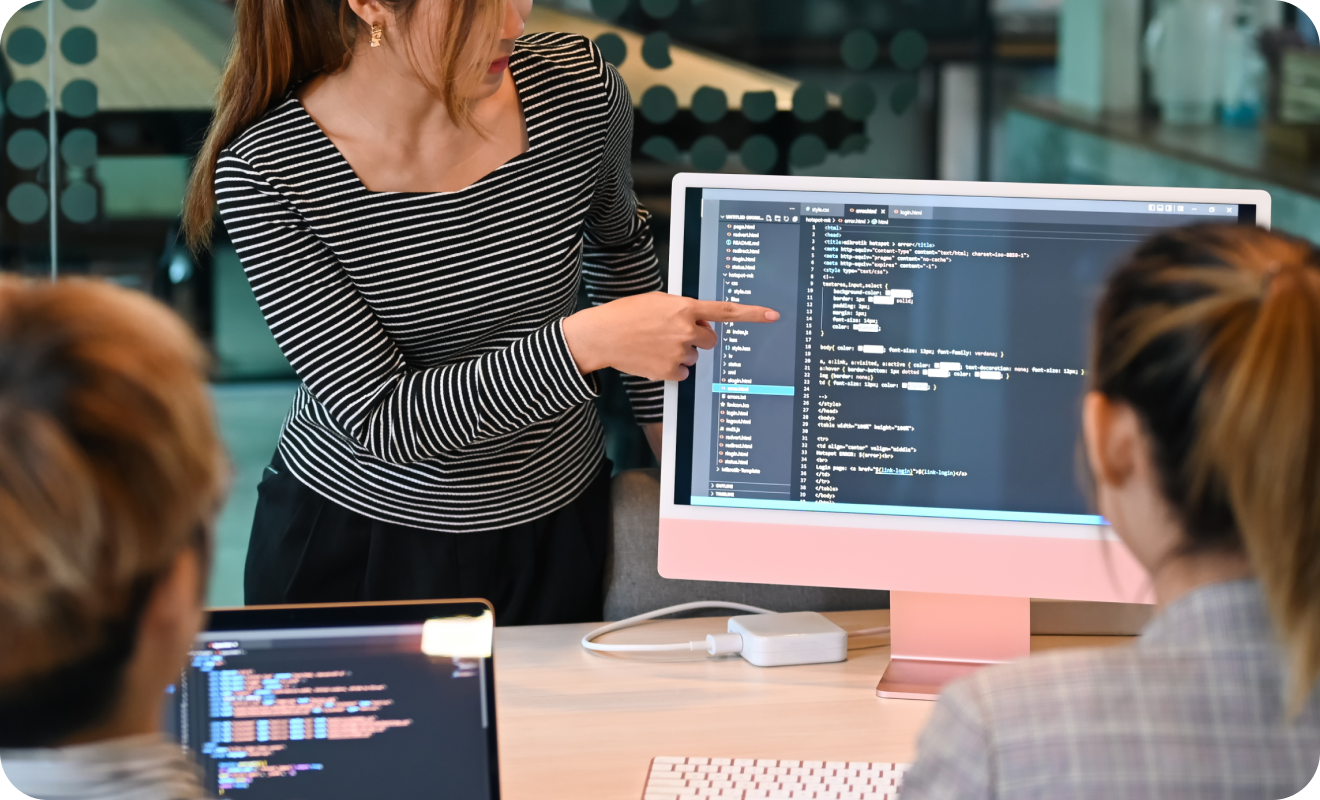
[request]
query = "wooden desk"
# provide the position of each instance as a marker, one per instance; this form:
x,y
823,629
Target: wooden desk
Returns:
x,y
582,725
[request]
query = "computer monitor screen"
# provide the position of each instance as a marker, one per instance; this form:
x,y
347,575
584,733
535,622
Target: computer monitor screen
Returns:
x,y
930,359
350,708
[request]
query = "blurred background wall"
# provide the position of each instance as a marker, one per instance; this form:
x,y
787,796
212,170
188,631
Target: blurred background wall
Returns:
x,y
1156,92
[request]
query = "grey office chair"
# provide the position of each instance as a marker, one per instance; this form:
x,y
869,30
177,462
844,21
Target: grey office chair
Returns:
x,y
633,586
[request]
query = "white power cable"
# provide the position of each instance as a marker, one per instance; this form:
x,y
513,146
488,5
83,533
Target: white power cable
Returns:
x,y
715,644
657,648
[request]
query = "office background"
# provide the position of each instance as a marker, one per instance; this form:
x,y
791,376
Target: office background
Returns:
x,y
1059,91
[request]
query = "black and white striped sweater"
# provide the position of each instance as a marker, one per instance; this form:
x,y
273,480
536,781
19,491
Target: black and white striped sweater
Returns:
x,y
437,388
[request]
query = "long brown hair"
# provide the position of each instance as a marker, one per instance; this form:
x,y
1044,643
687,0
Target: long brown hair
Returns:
x,y
110,466
279,43
1212,334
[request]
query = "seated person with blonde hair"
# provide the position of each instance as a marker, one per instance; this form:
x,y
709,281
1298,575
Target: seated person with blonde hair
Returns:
x,y
110,475
1202,430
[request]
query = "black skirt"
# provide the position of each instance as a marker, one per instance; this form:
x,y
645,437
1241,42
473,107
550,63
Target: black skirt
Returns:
x,y
307,549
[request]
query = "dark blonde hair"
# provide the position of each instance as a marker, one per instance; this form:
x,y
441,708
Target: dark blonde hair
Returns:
x,y
1212,334
279,43
110,466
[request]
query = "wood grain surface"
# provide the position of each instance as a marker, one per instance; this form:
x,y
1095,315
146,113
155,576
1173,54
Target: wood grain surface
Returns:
x,y
582,725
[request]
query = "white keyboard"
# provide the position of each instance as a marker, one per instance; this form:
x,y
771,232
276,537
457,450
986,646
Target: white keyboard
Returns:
x,y
674,778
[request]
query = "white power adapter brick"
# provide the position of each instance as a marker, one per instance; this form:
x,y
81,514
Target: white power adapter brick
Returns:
x,y
781,640
764,638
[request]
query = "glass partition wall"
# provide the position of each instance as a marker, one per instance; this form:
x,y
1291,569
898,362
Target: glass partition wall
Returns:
x,y
124,90
105,103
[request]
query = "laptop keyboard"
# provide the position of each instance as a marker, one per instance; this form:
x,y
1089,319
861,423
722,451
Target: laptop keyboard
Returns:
x,y
677,778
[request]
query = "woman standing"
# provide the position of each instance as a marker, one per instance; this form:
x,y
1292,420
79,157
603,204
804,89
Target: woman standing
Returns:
x,y
415,193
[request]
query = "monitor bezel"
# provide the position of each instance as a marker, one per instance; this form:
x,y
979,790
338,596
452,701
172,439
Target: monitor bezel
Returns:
x,y
681,556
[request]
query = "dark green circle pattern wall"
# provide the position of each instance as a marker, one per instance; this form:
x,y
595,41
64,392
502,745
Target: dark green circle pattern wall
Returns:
x,y
26,105
859,51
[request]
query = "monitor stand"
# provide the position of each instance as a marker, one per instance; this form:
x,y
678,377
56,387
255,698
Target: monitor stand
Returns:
x,y
937,638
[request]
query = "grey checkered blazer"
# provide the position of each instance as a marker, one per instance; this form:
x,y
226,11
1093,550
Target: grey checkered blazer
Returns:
x,y
1193,709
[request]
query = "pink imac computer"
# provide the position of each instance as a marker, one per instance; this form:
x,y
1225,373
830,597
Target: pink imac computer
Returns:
x,y
911,422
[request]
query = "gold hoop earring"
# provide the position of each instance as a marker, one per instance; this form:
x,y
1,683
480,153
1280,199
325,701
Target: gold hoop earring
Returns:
x,y
377,34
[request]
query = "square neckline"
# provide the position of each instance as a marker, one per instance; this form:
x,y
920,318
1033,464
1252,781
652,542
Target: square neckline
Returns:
x,y
515,66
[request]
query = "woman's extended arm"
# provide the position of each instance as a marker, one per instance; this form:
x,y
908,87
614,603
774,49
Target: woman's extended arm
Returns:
x,y
618,254
348,361
646,335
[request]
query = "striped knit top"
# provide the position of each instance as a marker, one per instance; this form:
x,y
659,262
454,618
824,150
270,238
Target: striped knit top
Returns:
x,y
437,388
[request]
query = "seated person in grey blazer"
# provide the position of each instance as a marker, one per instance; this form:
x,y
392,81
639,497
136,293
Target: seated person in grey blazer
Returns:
x,y
1202,432
111,472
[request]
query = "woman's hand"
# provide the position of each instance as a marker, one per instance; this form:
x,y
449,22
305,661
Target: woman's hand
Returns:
x,y
653,335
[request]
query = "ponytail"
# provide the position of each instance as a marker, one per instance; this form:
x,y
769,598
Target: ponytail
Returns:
x,y
1212,334
278,43
1264,440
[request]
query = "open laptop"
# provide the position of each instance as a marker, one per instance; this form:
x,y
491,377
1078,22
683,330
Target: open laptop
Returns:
x,y
389,700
